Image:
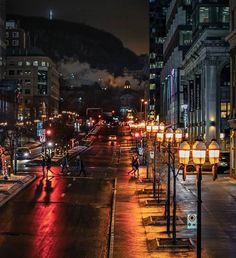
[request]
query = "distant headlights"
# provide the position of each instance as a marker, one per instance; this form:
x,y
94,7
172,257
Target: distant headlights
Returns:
x,y
223,164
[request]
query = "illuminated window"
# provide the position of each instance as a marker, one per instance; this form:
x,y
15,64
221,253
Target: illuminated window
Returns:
x,y
152,86
159,64
35,63
203,14
225,15
20,63
152,55
152,75
224,109
27,63
152,66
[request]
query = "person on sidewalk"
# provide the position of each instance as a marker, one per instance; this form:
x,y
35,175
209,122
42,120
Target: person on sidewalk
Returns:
x,y
135,165
65,164
80,166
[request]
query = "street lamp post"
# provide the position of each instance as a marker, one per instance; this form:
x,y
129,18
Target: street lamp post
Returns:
x,y
199,155
145,112
171,138
141,105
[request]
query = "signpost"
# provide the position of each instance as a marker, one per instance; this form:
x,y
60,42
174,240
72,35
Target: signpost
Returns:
x,y
192,221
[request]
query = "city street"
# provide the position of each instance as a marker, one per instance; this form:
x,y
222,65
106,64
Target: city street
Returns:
x,y
62,216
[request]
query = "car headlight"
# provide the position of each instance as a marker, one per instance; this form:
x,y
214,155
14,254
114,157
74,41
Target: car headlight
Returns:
x,y
26,154
223,164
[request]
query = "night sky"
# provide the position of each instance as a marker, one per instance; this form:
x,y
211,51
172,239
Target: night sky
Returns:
x,y
126,19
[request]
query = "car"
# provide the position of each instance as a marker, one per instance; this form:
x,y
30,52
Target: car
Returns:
x,y
224,162
23,153
112,137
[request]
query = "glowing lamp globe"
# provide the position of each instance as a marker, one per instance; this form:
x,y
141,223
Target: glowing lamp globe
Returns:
x,y
160,136
199,152
149,128
214,152
162,126
184,153
169,135
178,135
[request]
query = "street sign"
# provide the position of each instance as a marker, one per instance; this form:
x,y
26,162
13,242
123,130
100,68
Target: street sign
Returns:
x,y
192,221
39,125
42,138
40,132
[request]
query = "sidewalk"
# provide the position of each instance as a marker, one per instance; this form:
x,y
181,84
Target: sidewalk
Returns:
x,y
9,188
135,230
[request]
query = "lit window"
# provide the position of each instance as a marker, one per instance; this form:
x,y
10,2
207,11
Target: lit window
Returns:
x,y
20,63
19,72
28,63
152,86
35,63
203,14
152,75
225,15
15,34
43,63
224,109
159,64
152,55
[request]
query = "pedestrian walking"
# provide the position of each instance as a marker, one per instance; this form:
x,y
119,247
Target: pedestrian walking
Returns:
x,y
43,163
65,164
135,165
48,165
80,166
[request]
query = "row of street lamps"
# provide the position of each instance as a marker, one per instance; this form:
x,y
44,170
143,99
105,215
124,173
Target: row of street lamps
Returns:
x,y
176,144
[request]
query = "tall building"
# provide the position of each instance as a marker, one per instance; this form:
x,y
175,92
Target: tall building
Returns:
x,y
38,83
2,38
206,71
157,34
16,37
178,40
231,38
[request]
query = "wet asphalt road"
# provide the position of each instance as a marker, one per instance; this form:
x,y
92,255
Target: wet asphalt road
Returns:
x,y
62,216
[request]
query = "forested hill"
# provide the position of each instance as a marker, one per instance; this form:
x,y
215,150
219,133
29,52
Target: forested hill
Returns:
x,y
60,39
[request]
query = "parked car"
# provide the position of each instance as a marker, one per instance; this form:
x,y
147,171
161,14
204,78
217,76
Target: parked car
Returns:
x,y
23,153
224,162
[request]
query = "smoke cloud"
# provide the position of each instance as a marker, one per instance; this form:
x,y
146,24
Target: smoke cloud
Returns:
x,y
79,74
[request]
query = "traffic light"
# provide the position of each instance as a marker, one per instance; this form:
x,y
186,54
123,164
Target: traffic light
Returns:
x,y
48,132
137,135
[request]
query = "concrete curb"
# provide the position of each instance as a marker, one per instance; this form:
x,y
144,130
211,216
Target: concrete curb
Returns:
x,y
17,190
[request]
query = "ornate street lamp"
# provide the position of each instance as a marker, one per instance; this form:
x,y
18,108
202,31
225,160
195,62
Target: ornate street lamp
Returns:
x,y
199,156
171,137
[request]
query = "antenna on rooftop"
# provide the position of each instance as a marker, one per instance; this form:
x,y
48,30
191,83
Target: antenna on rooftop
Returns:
x,y
50,15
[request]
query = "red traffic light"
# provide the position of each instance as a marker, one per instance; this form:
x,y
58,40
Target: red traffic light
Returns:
x,y
48,132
